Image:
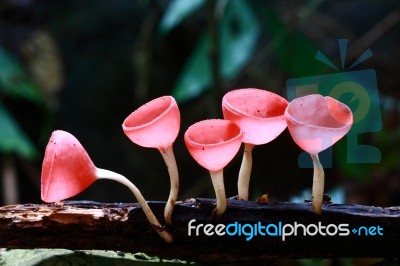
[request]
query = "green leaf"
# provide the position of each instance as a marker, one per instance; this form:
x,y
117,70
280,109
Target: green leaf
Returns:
x,y
196,75
238,36
294,52
176,12
12,138
239,33
14,81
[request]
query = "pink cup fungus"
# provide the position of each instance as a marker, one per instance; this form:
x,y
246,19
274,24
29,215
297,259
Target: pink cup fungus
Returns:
x,y
260,114
213,144
67,170
156,125
315,124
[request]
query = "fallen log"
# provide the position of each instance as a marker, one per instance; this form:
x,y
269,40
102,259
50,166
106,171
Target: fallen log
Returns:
x,y
250,231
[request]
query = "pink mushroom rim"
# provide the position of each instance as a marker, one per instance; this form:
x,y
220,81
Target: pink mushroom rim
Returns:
x,y
213,143
67,169
155,124
316,122
258,112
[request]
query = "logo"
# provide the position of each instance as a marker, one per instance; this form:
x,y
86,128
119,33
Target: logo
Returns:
x,y
356,88
281,230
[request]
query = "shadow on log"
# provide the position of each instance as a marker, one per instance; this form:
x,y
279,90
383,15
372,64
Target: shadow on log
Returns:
x,y
365,231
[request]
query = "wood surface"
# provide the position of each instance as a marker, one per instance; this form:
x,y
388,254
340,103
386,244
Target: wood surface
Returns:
x,y
84,225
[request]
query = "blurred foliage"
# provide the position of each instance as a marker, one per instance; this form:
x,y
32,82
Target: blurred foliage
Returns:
x,y
14,83
176,11
83,66
238,32
12,138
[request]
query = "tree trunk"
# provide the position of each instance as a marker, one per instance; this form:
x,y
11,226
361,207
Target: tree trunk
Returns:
x,y
123,227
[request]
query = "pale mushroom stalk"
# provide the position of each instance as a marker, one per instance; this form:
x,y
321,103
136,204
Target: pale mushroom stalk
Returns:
x,y
245,171
213,143
156,125
169,158
318,184
217,178
106,174
327,120
260,115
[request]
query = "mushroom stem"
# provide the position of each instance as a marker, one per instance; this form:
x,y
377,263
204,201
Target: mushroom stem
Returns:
x,y
217,178
169,158
106,174
245,171
318,184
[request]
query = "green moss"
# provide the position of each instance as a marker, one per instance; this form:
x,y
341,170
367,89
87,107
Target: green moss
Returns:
x,y
61,257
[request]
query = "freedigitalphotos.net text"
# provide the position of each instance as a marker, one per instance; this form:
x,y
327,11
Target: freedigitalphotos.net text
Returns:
x,y
280,230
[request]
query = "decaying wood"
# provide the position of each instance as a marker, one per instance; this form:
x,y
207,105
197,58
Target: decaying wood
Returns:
x,y
123,227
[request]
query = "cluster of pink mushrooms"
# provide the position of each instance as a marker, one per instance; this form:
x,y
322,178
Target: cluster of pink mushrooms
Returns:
x,y
251,116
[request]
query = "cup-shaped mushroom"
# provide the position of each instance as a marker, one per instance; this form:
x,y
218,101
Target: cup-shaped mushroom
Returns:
x,y
156,125
213,144
68,170
260,114
315,124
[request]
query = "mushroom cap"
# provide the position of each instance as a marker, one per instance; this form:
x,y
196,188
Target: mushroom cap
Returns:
x,y
67,169
316,122
259,113
213,143
154,124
